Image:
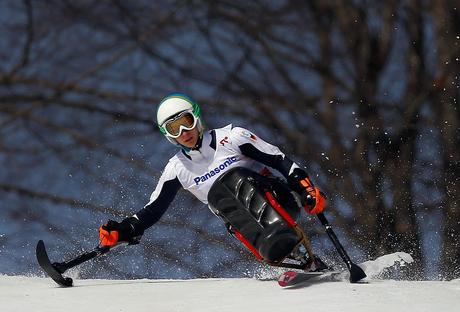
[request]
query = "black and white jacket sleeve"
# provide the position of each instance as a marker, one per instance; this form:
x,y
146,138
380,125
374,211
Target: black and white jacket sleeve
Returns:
x,y
255,148
161,198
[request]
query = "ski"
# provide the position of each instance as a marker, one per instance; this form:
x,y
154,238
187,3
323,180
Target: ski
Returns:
x,y
50,269
294,279
56,269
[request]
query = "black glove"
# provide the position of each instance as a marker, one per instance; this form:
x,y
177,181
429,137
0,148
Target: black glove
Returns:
x,y
127,230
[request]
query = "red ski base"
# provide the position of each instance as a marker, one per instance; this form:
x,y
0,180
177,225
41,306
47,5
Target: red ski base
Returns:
x,y
292,278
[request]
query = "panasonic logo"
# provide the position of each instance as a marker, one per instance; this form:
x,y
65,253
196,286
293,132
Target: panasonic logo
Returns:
x,y
213,172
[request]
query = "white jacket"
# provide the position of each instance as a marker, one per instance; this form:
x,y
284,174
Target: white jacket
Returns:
x,y
196,170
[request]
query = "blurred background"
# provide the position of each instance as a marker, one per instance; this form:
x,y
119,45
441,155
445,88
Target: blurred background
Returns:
x,y
363,93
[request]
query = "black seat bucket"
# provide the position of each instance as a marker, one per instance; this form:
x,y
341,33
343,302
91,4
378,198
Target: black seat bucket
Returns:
x,y
238,197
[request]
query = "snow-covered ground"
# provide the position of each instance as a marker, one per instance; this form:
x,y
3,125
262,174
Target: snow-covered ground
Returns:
x,y
19,293
39,294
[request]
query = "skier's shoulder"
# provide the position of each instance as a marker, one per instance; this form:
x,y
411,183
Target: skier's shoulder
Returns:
x,y
233,131
173,162
240,134
223,130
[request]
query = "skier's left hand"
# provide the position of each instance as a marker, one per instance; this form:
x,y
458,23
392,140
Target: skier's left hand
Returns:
x,y
313,200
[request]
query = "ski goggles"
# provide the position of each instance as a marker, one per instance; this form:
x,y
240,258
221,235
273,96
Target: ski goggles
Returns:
x,y
184,121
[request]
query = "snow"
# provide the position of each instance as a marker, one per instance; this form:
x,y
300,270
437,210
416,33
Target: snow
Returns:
x,y
21,293
39,294
375,268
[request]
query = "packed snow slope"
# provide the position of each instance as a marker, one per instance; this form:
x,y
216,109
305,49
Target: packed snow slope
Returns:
x,y
39,294
19,293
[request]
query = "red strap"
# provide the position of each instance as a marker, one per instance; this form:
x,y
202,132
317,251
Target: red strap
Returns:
x,y
284,214
280,210
247,244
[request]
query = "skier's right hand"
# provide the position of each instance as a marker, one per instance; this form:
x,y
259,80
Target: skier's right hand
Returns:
x,y
114,232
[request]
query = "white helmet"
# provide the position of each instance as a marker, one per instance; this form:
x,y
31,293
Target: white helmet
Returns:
x,y
171,106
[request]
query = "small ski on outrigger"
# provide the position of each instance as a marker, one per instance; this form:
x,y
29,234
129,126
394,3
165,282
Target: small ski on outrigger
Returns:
x,y
56,269
293,278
